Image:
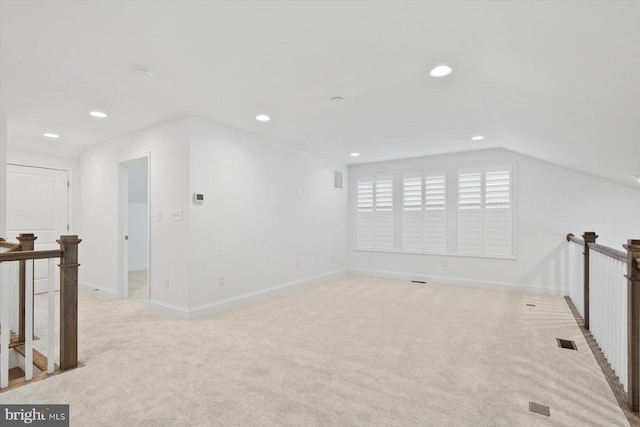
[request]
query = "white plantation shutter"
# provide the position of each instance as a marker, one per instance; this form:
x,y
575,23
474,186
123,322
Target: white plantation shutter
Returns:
x,y
383,208
412,213
470,223
364,214
374,213
435,213
485,211
498,212
424,212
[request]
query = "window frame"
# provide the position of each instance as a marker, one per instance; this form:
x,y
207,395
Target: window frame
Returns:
x,y
451,208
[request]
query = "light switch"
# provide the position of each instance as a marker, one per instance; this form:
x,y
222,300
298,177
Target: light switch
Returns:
x,y
176,215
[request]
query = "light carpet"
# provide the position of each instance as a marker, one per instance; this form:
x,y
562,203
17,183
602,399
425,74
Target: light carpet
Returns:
x,y
349,351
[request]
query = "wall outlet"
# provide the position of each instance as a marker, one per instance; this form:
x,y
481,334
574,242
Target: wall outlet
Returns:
x,y
166,283
176,215
222,281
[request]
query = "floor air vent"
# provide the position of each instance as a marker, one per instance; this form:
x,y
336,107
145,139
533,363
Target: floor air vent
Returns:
x,y
531,305
539,409
569,345
418,281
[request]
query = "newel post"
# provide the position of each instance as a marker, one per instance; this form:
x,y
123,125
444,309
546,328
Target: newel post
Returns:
x,y
589,237
69,302
633,323
26,244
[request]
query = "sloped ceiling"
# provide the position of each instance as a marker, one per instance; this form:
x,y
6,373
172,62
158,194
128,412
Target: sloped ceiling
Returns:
x,y
559,81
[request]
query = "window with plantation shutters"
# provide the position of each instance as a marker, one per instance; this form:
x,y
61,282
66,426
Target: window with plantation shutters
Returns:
x,y
435,213
498,224
470,212
412,213
424,214
485,223
364,219
374,217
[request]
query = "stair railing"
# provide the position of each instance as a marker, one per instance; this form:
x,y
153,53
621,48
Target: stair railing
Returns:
x,y
604,286
23,256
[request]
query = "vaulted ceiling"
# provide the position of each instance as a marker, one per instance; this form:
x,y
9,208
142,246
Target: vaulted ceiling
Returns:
x,y
559,81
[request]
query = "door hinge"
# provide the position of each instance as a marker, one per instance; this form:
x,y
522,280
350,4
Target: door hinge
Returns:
x,y
67,184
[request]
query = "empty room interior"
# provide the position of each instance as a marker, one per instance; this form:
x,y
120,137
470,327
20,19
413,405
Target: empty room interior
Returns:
x,y
320,213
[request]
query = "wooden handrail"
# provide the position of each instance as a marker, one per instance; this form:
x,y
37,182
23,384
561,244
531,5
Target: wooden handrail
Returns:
x,y
574,239
5,244
610,252
25,255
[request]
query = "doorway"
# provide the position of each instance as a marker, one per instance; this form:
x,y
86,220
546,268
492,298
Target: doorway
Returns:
x,y
134,229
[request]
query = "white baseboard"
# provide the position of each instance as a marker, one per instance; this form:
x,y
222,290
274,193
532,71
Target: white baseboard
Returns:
x,y
160,307
213,307
137,267
457,281
97,289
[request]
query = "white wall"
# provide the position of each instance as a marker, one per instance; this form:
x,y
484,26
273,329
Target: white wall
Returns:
x,y
3,175
168,148
551,202
266,208
138,214
253,227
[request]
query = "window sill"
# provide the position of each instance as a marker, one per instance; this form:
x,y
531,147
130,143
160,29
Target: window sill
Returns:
x,y
444,254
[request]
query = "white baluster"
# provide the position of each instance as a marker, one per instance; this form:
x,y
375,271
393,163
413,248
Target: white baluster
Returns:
x,y
5,334
28,302
51,315
14,278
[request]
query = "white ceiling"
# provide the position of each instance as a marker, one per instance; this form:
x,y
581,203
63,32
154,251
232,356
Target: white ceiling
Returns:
x,y
558,81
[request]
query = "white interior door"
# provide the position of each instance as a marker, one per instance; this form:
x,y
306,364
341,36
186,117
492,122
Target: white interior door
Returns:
x,y
37,202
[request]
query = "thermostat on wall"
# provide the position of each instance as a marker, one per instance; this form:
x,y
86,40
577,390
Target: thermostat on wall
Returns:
x,y
198,197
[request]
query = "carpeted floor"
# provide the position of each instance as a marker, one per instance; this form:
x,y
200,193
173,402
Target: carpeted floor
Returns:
x,y
349,351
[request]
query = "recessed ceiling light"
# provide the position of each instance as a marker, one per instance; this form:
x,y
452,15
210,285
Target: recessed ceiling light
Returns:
x,y
51,135
440,71
263,118
144,73
355,154
477,138
336,99
98,114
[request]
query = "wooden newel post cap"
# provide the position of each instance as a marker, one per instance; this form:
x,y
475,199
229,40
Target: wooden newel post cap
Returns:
x,y
633,244
26,237
69,240
590,236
